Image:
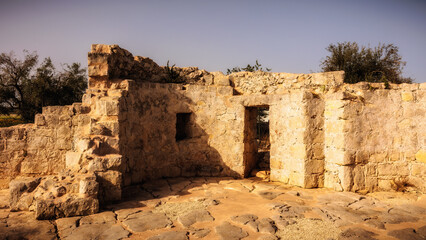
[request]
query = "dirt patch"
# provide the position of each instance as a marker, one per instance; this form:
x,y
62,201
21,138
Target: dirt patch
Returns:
x,y
317,229
174,210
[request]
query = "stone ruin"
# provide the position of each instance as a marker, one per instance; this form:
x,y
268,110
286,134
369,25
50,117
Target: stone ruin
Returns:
x,y
139,121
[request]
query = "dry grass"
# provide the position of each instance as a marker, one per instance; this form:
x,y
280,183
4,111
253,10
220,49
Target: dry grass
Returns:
x,y
309,229
10,120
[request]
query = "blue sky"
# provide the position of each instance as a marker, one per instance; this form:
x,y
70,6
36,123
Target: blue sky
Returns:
x,y
287,36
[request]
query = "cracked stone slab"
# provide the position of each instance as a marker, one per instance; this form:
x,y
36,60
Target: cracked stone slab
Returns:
x,y
395,216
356,234
287,211
200,233
158,188
122,214
105,231
143,221
22,225
174,235
244,219
408,234
266,225
99,218
97,226
66,225
227,231
341,216
178,185
339,198
195,216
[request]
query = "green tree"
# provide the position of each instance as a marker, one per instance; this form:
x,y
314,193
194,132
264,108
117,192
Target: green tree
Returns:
x,y
380,64
248,68
25,89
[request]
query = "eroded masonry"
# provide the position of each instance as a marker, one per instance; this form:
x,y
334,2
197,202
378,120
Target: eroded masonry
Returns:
x,y
139,121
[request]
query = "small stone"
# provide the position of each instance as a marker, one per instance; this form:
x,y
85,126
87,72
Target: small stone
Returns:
x,y
227,231
269,195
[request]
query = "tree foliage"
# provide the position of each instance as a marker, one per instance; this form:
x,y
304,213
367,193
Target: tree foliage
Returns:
x,y
248,68
380,64
25,88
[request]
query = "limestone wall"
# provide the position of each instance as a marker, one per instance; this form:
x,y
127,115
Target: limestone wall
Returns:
x,y
148,132
36,149
296,123
375,139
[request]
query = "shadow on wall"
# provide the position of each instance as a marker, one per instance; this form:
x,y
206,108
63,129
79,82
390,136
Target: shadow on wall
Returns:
x,y
163,134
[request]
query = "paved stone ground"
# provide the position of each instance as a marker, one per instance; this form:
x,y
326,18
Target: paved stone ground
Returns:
x,y
224,208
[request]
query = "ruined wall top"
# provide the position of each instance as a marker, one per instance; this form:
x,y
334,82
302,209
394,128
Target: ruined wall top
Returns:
x,y
110,62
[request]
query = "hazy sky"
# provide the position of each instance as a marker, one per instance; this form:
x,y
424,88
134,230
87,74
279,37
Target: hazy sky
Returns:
x,y
287,36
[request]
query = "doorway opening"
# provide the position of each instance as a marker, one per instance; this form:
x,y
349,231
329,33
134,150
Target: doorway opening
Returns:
x,y
256,141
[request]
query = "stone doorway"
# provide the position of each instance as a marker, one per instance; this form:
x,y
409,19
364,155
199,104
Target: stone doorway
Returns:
x,y
256,141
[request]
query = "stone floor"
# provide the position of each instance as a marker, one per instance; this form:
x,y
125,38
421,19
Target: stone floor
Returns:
x,y
224,208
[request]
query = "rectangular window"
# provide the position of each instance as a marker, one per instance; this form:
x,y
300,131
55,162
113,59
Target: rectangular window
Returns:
x,y
183,126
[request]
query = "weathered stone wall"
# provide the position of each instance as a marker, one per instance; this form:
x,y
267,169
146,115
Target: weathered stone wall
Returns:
x,y
296,123
36,149
375,139
148,132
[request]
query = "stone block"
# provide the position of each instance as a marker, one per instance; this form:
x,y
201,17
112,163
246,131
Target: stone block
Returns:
x,y
371,169
384,185
421,156
225,91
73,160
331,180
371,183
39,120
378,157
418,169
314,166
100,70
393,169
20,191
346,177
298,151
110,183
68,206
296,178
334,126
407,96
220,79
89,187
338,156
336,141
